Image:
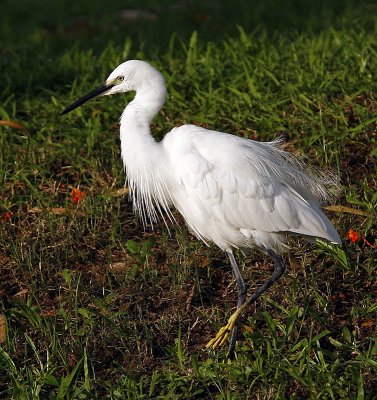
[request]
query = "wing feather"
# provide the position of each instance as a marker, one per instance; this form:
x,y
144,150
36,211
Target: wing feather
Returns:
x,y
244,186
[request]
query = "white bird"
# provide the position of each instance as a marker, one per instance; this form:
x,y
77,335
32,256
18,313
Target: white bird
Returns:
x,y
232,191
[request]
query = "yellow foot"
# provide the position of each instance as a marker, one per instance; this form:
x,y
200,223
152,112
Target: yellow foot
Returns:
x,y
223,333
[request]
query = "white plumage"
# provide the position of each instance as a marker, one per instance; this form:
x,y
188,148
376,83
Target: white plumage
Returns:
x,y
234,192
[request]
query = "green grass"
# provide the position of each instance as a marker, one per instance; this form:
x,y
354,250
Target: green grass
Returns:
x,y
97,308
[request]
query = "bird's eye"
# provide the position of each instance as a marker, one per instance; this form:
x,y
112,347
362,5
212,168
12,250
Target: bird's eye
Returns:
x,y
120,79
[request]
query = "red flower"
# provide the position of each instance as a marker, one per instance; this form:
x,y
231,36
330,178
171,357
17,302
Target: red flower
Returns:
x,y
353,236
77,195
6,216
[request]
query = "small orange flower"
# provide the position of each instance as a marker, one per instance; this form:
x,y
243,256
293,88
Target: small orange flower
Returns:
x,y
6,216
77,195
353,236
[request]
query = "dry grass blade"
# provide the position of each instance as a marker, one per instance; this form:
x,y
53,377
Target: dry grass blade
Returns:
x,y
3,329
59,211
346,209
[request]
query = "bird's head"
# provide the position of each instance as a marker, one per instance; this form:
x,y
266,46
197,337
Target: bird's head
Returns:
x,y
132,75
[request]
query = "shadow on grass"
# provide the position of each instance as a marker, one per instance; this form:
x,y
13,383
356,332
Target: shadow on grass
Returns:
x,y
93,24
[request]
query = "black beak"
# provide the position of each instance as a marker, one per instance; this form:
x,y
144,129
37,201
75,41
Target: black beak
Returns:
x,y
94,93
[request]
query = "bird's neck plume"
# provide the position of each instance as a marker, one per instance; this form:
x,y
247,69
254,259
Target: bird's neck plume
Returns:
x,y
142,156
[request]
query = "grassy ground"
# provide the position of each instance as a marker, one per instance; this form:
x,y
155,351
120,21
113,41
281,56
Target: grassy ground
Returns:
x,y
96,308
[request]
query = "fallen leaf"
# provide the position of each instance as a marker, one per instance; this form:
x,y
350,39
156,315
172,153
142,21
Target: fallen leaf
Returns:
x,y
21,293
367,323
79,213
345,209
120,192
247,328
48,313
6,216
12,124
190,297
117,267
59,211
34,210
72,360
66,211
3,328
204,262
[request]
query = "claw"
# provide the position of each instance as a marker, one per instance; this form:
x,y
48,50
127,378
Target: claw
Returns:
x,y
223,333
220,338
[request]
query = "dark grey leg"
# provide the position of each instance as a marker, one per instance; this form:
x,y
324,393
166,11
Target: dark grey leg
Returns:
x,y
241,299
278,272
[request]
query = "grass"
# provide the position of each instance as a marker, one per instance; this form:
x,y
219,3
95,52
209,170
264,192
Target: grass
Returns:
x,y
95,307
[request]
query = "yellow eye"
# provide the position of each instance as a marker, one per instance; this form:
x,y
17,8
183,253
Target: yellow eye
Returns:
x,y
119,79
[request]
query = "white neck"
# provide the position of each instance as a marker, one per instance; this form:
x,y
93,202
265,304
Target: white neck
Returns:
x,y
142,155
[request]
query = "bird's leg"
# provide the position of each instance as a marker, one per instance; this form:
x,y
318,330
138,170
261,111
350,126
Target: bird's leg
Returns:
x,y
278,272
223,333
241,299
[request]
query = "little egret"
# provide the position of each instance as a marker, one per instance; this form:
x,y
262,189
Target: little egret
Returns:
x,y
232,191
